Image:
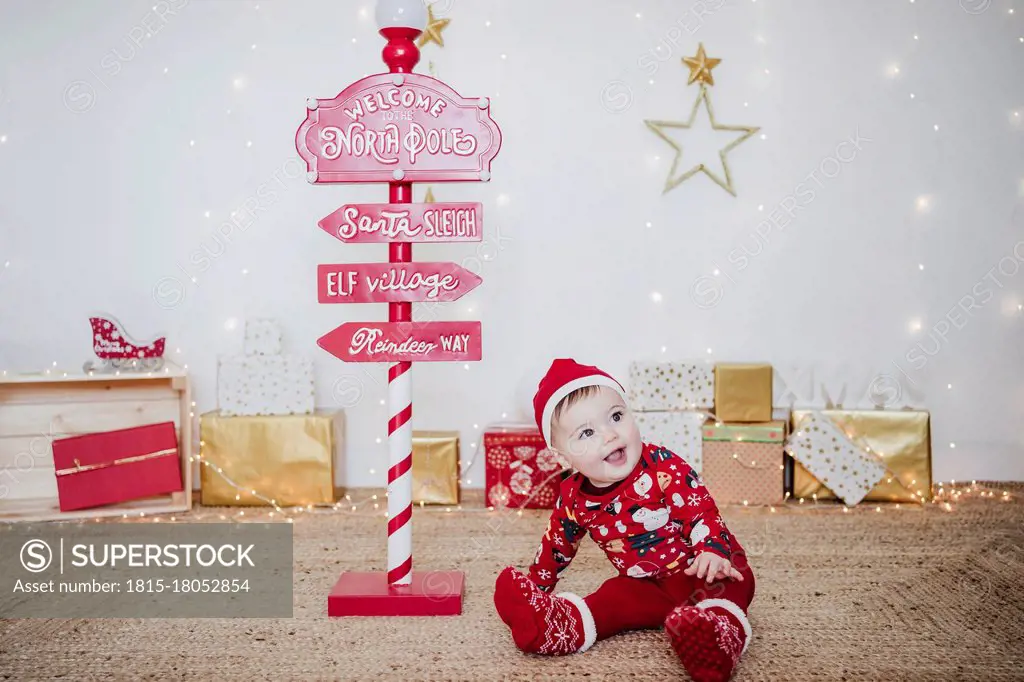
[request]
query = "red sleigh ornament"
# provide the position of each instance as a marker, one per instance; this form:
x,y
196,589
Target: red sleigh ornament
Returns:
x,y
119,351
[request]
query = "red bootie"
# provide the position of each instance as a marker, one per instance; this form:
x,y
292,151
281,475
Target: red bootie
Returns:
x,y
709,638
542,623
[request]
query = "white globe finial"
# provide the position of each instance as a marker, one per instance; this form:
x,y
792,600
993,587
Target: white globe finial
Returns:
x,y
401,14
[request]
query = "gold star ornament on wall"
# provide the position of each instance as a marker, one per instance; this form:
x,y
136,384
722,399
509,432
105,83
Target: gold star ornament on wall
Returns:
x,y
432,33
700,70
700,66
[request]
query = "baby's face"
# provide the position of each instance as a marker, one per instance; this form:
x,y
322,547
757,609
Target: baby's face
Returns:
x,y
599,437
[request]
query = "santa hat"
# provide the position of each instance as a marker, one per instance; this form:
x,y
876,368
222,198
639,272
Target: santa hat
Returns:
x,y
562,378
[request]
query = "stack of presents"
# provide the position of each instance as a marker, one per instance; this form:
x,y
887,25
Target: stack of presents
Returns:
x,y
720,418
267,443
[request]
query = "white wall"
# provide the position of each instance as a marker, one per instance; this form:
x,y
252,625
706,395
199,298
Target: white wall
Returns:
x,y
103,196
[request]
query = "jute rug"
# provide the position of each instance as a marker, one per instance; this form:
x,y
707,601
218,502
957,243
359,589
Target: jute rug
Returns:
x,y
902,594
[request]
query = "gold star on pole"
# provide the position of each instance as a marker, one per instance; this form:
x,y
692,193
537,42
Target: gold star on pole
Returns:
x,y
659,129
700,66
432,33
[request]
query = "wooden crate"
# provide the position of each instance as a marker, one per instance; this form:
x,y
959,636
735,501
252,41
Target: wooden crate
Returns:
x,y
35,409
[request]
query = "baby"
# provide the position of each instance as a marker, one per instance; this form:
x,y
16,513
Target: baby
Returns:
x,y
649,511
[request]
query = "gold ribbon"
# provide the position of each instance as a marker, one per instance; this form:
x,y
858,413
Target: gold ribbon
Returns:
x,y
78,468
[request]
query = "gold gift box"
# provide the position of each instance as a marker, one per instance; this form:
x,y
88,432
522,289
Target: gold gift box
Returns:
x,y
285,458
743,392
900,438
435,467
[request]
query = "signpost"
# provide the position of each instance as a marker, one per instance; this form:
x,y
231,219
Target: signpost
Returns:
x,y
399,127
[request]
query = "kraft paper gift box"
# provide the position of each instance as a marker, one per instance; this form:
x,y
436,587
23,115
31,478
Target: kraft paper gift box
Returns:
x,y
901,439
743,462
743,392
287,460
262,337
679,431
98,469
656,386
262,385
520,470
435,467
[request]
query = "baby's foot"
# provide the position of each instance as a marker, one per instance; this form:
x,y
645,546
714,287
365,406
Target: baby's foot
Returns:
x,y
542,623
708,641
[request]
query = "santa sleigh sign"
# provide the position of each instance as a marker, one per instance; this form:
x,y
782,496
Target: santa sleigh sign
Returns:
x,y
399,127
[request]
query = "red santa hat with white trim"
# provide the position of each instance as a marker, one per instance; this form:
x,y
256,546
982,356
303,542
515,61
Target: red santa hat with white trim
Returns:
x,y
562,378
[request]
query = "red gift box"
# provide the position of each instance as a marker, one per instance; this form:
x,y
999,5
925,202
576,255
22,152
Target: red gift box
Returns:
x,y
521,471
97,469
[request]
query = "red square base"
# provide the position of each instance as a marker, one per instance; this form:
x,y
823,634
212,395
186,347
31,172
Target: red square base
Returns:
x,y
433,593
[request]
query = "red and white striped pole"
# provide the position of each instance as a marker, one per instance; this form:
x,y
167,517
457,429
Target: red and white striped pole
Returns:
x,y
401,55
400,428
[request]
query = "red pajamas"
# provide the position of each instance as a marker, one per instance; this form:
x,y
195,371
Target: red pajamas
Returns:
x,y
652,525
623,603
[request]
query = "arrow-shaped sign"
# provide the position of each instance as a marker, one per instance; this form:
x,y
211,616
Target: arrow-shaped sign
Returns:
x,y
435,222
404,342
393,282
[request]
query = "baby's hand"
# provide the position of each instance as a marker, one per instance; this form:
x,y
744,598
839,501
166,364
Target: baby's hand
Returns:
x,y
714,567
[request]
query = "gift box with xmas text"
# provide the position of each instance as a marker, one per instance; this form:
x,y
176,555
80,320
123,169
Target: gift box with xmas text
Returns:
x,y
288,460
98,469
520,470
435,467
743,462
899,439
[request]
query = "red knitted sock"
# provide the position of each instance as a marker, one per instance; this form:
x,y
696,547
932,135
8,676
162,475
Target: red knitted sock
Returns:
x,y
542,623
708,638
